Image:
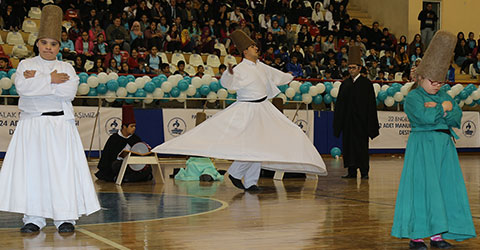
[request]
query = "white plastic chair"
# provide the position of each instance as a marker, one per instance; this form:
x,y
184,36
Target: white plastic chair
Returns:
x,y
163,56
20,51
29,26
1,40
32,38
213,61
190,69
173,68
229,59
209,70
67,25
195,60
88,65
70,62
398,76
176,57
15,38
221,47
382,53
35,13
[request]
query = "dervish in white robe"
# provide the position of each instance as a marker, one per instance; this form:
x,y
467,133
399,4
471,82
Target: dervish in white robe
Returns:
x,y
45,173
251,131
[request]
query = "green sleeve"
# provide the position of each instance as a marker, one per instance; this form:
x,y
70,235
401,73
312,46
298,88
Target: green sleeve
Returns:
x,y
454,116
417,112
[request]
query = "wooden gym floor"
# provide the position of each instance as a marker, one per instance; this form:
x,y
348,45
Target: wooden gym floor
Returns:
x,y
331,213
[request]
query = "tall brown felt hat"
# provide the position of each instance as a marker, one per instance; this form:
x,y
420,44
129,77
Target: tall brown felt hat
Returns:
x,y
241,40
51,23
354,55
436,60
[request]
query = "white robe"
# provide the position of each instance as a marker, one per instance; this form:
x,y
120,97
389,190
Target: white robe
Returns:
x,y
45,172
251,131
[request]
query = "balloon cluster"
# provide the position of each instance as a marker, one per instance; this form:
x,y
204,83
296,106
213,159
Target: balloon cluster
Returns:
x,y
115,87
7,80
308,93
389,95
469,95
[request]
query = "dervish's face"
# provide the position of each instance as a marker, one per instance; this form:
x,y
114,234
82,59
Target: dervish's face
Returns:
x,y
251,52
430,86
48,48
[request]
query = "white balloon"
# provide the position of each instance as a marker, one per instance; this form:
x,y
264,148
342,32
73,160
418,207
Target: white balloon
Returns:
x,y
102,77
146,78
398,97
92,81
376,87
83,89
283,96
6,83
475,95
337,84
320,88
404,90
306,98
207,79
212,97
178,77
167,86
230,91
197,82
389,101
191,90
222,94
14,75
385,87
469,100
334,92
158,93
290,92
295,85
112,76
173,79
110,96
121,92
182,97
148,99
451,93
132,87
461,104
313,91
140,82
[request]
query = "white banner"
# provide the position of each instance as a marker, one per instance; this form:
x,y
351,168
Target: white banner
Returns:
x,y
395,128
178,121
110,122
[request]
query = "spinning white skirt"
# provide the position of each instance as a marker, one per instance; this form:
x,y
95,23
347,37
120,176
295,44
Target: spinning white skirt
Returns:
x,y
45,172
247,131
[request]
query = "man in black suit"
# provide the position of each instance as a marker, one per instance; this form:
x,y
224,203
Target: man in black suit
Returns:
x,y
355,117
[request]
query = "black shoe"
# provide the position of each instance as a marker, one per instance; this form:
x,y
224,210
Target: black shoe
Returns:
x,y
365,177
30,228
417,245
66,228
253,189
440,244
349,176
236,182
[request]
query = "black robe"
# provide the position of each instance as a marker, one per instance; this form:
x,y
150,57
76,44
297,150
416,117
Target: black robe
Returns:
x,y
356,119
108,165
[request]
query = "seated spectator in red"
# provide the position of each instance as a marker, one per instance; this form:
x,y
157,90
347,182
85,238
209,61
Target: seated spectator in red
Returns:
x,y
269,54
390,42
83,46
294,67
97,66
96,30
100,47
115,53
133,59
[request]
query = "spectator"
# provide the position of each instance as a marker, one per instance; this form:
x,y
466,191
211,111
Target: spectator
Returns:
x,y
142,10
269,54
66,47
133,59
417,55
156,12
4,63
163,27
243,27
196,33
428,19
83,46
310,55
222,15
402,61
200,71
79,64
387,62
173,39
112,66
381,76
11,19
343,68
359,43
186,40
475,67
373,70
332,66
312,70
329,44
291,36
461,55
221,69
417,42
278,32
181,69
97,66
297,52
153,36
114,53
343,54
294,67
153,60
100,47
374,36
117,34
136,36
95,30
224,34
304,37
125,69
372,57
207,43
74,32
317,14
391,76
472,44
389,40
188,14
278,63
270,42
236,15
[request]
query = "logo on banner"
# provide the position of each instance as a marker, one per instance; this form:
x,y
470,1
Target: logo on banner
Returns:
x,y
176,126
303,125
469,128
113,125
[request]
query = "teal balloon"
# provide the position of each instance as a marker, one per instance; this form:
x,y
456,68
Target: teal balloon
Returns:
x,y
5,92
197,94
163,78
102,89
82,76
470,88
335,151
122,81
140,93
391,91
149,87
334,100
304,88
328,87
377,101
188,79
214,86
3,74
129,100
382,95
92,92
477,101
175,92
182,85
472,104
204,90
457,99
112,85
93,74
297,97
157,82
231,96
166,95
308,84
11,72
13,90
327,99
445,87
318,99
463,94
397,85
131,78
282,88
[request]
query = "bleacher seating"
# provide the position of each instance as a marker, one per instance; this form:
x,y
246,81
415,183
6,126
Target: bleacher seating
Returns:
x,y
213,61
209,70
29,26
14,38
195,60
32,38
229,59
190,69
164,57
20,51
176,57
35,13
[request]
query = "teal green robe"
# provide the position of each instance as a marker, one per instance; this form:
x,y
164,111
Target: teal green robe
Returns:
x,y
197,166
432,198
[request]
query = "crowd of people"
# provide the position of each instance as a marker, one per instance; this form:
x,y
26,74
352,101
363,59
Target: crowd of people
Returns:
x,y
309,40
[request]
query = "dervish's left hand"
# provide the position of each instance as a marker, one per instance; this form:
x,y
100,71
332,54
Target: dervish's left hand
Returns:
x,y
430,104
29,73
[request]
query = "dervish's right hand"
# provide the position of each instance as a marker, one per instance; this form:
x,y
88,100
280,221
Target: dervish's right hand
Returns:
x,y
447,105
430,104
59,77
29,73
230,68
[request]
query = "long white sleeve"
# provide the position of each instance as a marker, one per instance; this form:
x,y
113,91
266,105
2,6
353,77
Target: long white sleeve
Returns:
x,y
38,85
